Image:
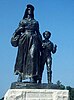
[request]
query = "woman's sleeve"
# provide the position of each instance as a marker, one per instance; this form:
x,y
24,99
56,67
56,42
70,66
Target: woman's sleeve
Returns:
x,y
37,27
20,27
39,35
16,35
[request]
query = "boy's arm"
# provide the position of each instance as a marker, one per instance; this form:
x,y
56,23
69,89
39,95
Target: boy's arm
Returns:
x,y
54,48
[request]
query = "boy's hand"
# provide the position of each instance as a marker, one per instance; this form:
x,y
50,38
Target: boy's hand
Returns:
x,y
55,46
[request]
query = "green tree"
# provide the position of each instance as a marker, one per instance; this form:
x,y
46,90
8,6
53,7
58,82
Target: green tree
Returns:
x,y
71,92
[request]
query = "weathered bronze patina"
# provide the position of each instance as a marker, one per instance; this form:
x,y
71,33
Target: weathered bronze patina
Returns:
x,y
33,52
47,49
28,40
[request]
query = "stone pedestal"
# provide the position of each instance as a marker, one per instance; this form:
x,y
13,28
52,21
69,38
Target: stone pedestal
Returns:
x,y
36,94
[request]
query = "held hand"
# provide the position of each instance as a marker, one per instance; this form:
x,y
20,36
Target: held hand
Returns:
x,y
54,49
55,46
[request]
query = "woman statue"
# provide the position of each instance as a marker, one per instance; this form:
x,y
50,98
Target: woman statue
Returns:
x,y
28,39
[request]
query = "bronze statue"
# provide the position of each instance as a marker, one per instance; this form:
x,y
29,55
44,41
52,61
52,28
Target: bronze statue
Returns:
x,y
28,39
47,48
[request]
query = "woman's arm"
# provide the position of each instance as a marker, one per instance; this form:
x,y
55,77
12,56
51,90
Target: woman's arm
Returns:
x,y
16,35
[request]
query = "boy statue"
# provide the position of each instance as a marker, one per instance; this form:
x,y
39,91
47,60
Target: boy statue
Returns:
x,y
47,49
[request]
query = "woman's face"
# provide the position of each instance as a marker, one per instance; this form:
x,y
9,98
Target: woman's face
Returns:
x,y
29,11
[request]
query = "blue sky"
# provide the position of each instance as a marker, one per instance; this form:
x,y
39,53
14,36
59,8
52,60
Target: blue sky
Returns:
x,y
56,16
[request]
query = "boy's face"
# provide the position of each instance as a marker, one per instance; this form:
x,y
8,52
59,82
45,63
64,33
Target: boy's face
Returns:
x,y
46,35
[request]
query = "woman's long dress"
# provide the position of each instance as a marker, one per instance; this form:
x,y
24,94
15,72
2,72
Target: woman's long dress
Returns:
x,y
28,40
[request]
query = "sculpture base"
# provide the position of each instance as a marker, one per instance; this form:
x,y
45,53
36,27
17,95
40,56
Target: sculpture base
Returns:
x,y
28,85
36,94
